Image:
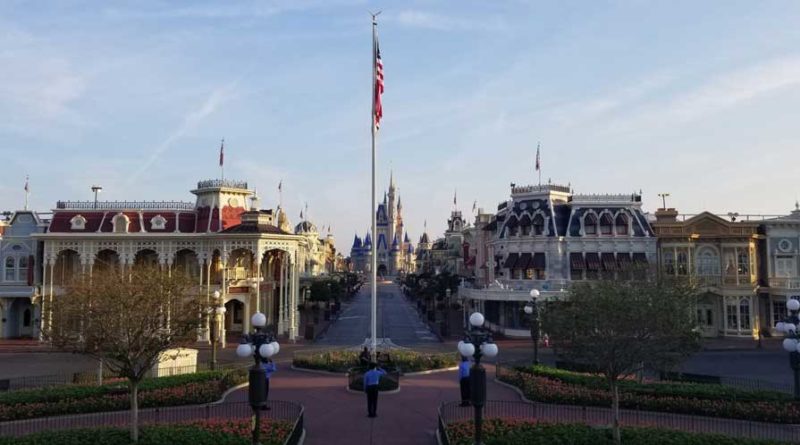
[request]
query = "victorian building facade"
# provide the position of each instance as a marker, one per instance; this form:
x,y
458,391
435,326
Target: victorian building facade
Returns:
x,y
21,257
247,254
393,247
780,265
544,237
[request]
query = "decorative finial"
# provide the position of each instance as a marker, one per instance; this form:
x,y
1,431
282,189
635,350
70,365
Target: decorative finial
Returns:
x,y
796,205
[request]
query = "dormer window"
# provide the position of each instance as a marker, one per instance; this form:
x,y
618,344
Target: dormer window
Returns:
x,y
590,224
158,222
606,224
121,222
621,224
78,222
538,225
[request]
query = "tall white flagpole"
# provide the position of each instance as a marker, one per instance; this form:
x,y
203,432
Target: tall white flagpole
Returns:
x,y
374,327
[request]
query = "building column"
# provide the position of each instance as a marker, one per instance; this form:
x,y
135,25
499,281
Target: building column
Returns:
x,y
282,295
258,285
294,283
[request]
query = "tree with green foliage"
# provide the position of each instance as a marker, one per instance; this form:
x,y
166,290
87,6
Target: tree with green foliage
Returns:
x,y
617,326
127,318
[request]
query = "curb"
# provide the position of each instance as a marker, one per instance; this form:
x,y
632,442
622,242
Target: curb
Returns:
x,y
431,371
228,392
318,371
515,389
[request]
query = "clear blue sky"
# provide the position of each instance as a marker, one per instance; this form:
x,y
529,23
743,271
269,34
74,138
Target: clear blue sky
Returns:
x,y
699,99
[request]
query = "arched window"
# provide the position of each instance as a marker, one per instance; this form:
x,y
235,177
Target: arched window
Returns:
x,y
621,224
538,225
707,263
606,224
744,313
10,269
590,224
22,268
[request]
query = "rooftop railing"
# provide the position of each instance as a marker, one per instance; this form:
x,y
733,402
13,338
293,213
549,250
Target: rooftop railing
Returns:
x,y
216,183
539,188
121,205
607,197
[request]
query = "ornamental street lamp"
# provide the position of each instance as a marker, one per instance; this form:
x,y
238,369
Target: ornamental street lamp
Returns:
x,y
217,313
476,344
260,346
533,311
789,327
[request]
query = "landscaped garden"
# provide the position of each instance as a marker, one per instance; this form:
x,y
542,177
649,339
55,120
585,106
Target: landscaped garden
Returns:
x,y
403,360
551,385
186,389
204,432
515,432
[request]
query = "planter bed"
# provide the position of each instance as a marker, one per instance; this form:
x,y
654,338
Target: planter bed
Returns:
x,y
186,389
550,385
206,432
512,432
404,361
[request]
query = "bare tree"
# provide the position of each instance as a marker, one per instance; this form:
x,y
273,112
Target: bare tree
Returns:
x,y
617,326
127,319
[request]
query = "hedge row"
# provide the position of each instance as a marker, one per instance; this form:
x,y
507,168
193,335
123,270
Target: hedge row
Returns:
x,y
187,389
206,432
511,432
405,361
572,390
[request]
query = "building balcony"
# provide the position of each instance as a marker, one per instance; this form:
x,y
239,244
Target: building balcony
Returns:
x,y
516,290
785,283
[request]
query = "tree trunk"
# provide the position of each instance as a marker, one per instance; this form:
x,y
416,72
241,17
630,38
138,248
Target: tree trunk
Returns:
x,y
615,412
134,411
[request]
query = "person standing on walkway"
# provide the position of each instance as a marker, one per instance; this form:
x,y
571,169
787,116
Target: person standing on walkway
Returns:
x,y
269,369
463,380
371,380
363,359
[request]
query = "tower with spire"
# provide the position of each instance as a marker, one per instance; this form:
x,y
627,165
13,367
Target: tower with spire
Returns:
x,y
393,248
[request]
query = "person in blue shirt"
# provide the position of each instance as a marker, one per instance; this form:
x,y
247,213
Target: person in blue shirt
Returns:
x,y
371,380
269,369
463,380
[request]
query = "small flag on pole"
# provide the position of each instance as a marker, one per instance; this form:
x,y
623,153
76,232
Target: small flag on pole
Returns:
x,y
222,153
454,197
538,160
280,186
377,105
474,205
27,188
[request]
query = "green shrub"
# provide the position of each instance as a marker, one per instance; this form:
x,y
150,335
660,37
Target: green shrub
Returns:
x,y
185,389
406,361
565,387
515,432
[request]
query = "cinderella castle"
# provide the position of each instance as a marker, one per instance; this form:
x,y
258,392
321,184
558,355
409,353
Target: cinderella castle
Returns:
x,y
394,249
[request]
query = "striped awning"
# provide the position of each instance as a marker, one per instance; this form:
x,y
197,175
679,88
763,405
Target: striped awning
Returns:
x,y
524,261
592,261
576,259
538,261
639,258
609,263
511,260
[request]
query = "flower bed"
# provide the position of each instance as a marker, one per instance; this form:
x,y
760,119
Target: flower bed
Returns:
x,y
511,432
206,432
187,389
404,361
550,385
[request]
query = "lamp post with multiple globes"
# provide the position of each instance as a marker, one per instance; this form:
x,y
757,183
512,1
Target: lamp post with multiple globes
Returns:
x,y
533,311
477,343
789,327
259,345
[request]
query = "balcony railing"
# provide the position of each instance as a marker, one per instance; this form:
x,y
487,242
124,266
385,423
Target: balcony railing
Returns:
x,y
124,205
515,290
785,283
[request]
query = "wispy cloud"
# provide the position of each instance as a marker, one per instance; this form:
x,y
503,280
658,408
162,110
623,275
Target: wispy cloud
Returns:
x,y
190,121
440,22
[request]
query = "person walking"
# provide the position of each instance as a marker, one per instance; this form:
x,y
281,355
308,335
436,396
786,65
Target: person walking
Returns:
x,y
363,359
463,380
371,380
269,369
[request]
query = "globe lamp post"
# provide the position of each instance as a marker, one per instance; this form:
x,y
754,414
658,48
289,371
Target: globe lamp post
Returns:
x,y
477,343
261,346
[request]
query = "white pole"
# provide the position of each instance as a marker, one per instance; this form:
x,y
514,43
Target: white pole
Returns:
x,y
374,342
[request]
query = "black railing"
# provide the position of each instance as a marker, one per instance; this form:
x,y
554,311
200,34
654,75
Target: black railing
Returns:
x,y
453,413
280,410
215,183
124,205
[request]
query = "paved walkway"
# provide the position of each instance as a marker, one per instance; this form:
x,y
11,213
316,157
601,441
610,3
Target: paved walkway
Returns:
x,y
336,416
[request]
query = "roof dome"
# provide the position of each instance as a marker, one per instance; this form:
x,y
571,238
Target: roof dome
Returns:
x,y
305,227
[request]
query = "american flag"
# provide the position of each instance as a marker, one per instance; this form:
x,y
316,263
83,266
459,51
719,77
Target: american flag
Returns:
x,y
377,105
221,152
538,163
